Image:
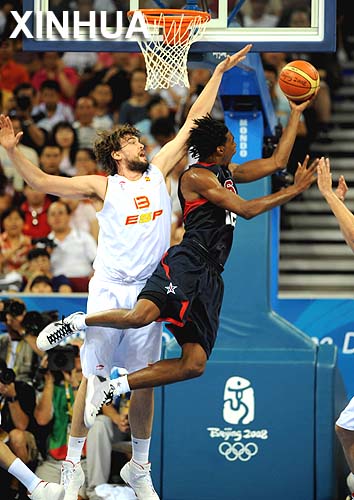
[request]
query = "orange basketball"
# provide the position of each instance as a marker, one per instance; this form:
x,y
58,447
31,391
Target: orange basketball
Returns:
x,y
299,80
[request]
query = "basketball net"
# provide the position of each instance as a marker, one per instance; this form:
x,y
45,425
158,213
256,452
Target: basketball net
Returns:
x,y
172,33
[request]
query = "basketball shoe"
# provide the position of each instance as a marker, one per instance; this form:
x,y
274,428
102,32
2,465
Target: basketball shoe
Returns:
x,y
72,478
138,477
56,332
99,392
45,490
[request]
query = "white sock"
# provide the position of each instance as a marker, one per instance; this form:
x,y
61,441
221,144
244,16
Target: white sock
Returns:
x,y
141,449
75,446
21,472
79,322
121,385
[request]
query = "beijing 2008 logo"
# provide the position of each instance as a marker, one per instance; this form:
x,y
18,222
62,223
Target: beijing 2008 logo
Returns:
x,y
239,408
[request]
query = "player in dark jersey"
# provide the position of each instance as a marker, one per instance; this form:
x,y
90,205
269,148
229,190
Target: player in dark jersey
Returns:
x,y
186,289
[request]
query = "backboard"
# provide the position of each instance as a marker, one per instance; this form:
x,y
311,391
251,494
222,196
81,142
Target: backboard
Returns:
x,y
223,33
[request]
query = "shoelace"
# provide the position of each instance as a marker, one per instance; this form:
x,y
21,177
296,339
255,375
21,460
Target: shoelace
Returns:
x,y
67,473
62,331
108,398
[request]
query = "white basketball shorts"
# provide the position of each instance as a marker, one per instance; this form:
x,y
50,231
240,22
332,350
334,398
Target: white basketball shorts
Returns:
x,y
346,418
104,348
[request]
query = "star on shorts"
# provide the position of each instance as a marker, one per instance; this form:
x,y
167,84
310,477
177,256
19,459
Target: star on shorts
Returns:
x,y
171,289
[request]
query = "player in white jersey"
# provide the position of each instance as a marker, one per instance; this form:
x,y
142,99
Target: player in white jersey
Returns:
x,y
116,282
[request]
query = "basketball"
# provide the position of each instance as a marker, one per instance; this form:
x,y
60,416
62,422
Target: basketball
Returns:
x,y
299,80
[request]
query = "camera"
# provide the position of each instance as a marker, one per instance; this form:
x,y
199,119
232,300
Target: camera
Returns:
x,y
34,321
47,243
12,307
23,102
7,375
62,358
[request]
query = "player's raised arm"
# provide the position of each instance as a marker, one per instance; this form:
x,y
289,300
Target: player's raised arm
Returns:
x,y
173,151
87,186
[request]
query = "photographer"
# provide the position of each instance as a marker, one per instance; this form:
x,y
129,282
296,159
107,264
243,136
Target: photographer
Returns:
x,y
19,347
33,136
61,369
17,403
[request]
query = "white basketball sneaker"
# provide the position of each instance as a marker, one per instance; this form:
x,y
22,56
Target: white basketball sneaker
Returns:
x,y
72,478
99,392
45,490
138,477
56,332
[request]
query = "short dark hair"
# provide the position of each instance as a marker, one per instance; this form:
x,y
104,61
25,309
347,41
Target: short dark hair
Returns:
x,y
10,211
108,142
37,252
163,126
23,86
206,136
41,279
51,85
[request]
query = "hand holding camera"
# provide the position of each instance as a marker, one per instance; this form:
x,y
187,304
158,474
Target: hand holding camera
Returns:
x,y
7,381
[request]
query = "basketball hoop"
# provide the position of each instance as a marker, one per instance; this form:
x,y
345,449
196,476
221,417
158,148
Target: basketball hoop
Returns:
x,y
172,32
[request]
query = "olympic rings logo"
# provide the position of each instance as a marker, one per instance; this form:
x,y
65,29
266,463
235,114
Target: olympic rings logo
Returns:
x,y
238,450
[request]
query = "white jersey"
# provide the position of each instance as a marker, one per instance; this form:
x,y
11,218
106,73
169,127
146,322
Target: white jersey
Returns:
x,y
135,226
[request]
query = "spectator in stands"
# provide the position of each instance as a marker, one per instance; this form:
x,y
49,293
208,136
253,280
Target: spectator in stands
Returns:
x,y
14,244
81,62
157,108
50,111
25,100
35,209
53,68
6,7
54,407
17,348
50,159
134,109
28,152
198,79
75,250
7,192
116,74
103,96
85,162
85,111
41,284
65,135
39,265
163,130
17,403
11,73
111,430
258,17
83,216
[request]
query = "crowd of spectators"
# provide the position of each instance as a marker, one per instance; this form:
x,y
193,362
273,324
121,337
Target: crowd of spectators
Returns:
x,y
37,393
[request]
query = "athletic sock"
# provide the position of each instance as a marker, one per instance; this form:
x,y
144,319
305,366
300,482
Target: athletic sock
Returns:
x,y
21,472
75,446
121,385
141,449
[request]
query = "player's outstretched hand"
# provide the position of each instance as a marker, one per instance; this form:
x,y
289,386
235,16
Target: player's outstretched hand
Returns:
x,y
342,188
8,139
305,174
231,61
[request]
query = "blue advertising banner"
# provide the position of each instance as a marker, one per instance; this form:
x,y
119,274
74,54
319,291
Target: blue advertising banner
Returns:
x,y
327,321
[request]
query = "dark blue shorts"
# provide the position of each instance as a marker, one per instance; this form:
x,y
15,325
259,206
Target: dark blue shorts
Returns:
x,y
188,289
